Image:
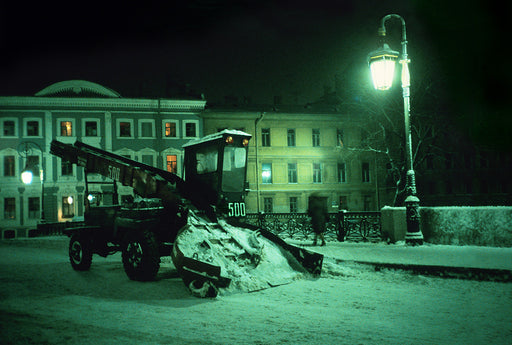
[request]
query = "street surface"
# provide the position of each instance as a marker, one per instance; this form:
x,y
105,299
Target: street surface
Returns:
x,y
43,301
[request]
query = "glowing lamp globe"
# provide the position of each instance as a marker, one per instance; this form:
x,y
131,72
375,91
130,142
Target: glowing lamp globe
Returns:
x,y
382,66
26,177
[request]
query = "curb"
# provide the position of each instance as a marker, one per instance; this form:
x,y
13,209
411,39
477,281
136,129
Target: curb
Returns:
x,y
467,273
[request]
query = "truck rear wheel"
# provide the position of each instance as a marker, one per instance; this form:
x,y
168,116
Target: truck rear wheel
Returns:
x,y
141,257
80,252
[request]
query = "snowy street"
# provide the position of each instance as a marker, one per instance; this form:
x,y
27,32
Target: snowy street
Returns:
x,y
44,301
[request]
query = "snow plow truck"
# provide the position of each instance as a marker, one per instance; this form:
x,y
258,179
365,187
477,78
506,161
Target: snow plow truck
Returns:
x,y
197,219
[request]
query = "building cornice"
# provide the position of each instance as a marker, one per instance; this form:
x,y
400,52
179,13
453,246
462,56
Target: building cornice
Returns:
x,y
101,103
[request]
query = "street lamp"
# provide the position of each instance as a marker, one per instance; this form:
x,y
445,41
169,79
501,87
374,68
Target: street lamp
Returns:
x,y
382,67
25,150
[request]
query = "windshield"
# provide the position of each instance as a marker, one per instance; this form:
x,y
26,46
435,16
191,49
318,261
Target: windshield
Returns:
x,y
233,169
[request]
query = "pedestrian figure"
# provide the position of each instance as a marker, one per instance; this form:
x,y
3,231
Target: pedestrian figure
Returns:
x,y
317,210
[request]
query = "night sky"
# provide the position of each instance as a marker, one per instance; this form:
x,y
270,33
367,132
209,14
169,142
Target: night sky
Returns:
x,y
259,49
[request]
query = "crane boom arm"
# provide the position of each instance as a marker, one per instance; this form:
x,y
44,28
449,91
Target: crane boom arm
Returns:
x,y
147,181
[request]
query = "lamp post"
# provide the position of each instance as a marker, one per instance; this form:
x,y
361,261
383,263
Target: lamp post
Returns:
x,y
382,67
25,150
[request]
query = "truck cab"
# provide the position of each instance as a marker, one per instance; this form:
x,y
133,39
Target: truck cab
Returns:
x,y
215,170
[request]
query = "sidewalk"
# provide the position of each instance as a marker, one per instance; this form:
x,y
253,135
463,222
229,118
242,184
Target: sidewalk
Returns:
x,y
428,258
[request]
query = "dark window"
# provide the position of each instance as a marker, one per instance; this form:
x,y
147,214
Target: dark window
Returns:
x,y
190,130
367,202
316,137
125,129
67,169
91,129
33,208
293,204
265,137
146,129
266,173
267,205
9,128
343,202
340,137
170,130
65,128
366,172
292,172
342,172
317,173
9,208
291,137
147,159
32,128
9,166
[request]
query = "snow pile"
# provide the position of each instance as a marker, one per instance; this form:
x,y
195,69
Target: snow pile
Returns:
x,y
252,262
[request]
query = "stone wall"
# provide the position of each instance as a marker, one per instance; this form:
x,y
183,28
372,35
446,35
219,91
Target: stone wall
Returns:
x,y
479,225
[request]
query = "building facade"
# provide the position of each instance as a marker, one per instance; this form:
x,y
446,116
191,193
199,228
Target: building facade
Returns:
x,y
151,131
295,152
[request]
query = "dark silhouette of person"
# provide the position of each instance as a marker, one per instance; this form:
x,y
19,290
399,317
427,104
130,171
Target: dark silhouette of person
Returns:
x,y
317,210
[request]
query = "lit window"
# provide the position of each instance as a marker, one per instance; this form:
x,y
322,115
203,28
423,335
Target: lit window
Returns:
x,y
65,128
170,130
266,173
172,163
68,209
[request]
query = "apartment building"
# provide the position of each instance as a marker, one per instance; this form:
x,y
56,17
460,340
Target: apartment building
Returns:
x,y
296,151
151,131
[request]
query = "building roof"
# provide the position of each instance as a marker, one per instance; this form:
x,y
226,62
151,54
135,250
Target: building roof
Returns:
x,y
77,88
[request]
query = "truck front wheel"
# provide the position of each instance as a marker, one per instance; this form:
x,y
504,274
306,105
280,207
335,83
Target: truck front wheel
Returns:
x,y
141,258
80,252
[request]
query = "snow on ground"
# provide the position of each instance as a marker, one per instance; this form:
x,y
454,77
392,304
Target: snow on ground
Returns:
x,y
43,301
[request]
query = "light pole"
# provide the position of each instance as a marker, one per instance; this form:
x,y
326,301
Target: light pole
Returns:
x,y
25,150
382,67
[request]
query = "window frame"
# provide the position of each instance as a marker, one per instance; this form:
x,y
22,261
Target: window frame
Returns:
x,y
118,129
184,127
84,128
266,180
293,174
140,122
291,137
265,137
39,127
317,173
315,137
16,127
176,123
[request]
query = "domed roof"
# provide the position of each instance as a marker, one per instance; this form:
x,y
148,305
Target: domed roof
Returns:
x,y
77,88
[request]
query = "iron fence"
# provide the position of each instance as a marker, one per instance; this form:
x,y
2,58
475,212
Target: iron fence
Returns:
x,y
341,226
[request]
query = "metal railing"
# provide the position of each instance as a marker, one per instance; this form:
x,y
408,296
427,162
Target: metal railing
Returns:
x,y
341,226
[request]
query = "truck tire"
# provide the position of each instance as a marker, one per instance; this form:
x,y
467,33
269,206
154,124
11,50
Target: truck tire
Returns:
x,y
80,252
141,257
